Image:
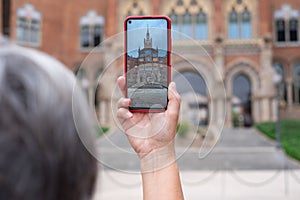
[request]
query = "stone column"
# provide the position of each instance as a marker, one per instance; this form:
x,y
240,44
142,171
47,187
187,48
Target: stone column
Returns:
x,y
265,109
219,57
289,85
267,73
228,121
256,111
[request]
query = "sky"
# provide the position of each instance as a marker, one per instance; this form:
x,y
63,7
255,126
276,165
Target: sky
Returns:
x,y
137,29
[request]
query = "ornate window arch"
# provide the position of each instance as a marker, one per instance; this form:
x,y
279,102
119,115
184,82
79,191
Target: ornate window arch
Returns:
x,y
91,30
189,18
286,23
136,8
239,21
133,7
28,26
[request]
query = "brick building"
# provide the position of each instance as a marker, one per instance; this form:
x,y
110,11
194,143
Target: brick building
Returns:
x,y
247,42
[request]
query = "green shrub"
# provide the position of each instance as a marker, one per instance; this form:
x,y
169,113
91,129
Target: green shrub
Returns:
x,y
182,129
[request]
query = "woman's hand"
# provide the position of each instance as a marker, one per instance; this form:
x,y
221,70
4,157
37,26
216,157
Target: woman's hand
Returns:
x,y
150,132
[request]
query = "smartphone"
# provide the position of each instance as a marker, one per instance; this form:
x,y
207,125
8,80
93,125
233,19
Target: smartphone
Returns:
x,y
147,62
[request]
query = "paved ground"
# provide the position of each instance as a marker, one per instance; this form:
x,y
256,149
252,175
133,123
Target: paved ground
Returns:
x,y
243,165
237,149
208,185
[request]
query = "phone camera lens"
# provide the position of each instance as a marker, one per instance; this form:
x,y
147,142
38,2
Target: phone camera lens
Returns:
x,y
129,21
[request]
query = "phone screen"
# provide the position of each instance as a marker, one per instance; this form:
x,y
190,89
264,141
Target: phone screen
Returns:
x,y
147,63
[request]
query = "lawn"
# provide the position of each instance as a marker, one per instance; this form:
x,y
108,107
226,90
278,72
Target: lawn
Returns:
x,y
290,135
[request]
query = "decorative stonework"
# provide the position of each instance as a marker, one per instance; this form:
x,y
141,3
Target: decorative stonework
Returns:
x,y
286,12
193,7
133,7
242,67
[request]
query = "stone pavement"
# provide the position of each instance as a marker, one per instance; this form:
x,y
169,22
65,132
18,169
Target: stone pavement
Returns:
x,y
209,185
242,165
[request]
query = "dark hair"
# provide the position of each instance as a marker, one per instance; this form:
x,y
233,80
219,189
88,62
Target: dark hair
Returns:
x,y
41,153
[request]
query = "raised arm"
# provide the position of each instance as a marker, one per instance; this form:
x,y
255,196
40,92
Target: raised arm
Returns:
x,y
152,137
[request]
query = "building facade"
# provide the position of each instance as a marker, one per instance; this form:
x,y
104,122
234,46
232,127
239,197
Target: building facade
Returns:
x,y
246,42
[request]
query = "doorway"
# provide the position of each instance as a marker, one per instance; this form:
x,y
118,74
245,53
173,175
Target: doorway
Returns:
x,y
241,101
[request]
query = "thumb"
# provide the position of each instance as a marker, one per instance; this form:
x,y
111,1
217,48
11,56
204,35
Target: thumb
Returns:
x,y
174,102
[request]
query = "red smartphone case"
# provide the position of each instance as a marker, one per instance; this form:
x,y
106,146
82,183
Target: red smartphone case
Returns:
x,y
168,53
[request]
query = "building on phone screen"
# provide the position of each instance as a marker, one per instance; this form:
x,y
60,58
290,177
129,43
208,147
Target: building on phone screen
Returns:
x,y
239,45
149,68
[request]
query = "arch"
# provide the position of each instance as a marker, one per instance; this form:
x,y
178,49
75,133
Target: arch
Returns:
x,y
192,87
201,68
237,68
194,79
242,88
246,69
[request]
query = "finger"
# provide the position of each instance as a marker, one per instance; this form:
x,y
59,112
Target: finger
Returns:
x,y
124,103
125,118
122,85
124,113
174,102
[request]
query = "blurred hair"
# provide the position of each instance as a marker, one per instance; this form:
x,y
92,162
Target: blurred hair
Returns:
x,y
42,112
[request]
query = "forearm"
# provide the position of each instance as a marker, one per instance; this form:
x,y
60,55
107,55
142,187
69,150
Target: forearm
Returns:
x,y
160,175
162,184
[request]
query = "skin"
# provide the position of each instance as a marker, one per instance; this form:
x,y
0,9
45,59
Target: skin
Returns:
x,y
152,137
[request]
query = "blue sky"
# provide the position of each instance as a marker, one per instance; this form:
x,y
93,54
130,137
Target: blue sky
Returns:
x,y
136,32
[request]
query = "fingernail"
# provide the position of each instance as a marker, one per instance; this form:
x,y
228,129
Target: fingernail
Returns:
x,y
173,85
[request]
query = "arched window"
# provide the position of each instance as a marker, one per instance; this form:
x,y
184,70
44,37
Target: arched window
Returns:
x,y
28,26
296,83
240,26
293,30
174,18
233,25
6,15
92,30
187,26
192,23
286,24
201,26
280,30
246,27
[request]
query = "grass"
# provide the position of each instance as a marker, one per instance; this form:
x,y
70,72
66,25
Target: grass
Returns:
x,y
290,135
102,131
